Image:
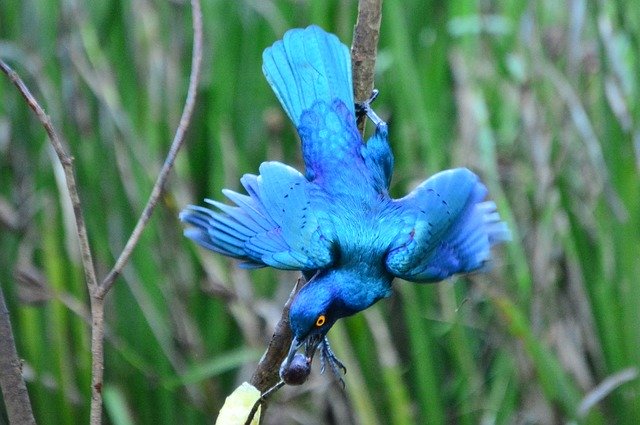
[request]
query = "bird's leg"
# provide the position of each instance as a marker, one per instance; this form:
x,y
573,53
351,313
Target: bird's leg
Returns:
x,y
332,357
327,356
364,108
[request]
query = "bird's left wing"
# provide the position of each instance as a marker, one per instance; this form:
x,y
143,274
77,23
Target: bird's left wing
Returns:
x,y
447,228
282,222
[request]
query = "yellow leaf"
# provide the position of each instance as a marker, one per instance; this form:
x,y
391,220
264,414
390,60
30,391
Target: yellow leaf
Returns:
x,y
238,405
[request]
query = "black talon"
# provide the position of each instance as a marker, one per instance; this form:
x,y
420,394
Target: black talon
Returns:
x,y
361,106
332,356
327,357
364,108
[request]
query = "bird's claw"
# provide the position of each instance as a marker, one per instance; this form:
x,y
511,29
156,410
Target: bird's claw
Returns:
x,y
364,108
327,357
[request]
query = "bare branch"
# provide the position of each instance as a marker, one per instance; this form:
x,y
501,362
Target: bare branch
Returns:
x,y
14,390
95,295
97,358
177,143
67,164
97,301
85,249
98,292
364,50
266,374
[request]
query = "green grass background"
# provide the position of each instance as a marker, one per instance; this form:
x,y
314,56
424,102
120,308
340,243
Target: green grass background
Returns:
x,y
539,98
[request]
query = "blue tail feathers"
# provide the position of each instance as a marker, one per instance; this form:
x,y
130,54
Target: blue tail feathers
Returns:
x,y
306,66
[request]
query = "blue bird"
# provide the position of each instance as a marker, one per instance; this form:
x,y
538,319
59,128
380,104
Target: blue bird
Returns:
x,y
336,222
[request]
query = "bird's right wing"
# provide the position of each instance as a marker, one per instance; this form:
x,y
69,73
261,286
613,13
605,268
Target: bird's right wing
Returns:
x,y
282,222
447,228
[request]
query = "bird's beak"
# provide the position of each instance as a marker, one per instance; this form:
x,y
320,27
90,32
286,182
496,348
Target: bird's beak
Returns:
x,y
295,344
311,344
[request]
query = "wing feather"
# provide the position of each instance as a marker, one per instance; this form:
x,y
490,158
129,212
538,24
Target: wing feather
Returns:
x,y
448,228
279,223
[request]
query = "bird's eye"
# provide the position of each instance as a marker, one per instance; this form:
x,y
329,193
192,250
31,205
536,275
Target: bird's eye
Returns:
x,y
320,320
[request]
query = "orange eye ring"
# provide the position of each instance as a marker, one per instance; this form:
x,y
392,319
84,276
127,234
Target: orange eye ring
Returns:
x,y
320,320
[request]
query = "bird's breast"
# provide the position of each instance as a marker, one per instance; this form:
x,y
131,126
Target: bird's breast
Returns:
x,y
365,230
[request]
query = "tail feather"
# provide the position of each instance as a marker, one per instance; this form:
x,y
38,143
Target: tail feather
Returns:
x,y
308,65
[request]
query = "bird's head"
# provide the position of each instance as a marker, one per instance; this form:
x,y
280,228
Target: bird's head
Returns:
x,y
327,297
312,313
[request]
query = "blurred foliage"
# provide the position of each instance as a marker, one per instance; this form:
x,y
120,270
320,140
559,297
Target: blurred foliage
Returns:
x,y
539,98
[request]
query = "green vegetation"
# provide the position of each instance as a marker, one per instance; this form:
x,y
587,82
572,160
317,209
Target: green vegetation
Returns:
x,y
539,99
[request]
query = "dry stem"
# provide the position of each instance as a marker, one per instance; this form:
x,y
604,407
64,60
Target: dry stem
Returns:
x,y
364,50
14,389
97,292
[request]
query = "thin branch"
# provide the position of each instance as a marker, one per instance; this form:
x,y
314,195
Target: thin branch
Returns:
x,y
14,389
98,292
267,374
177,143
364,50
97,300
67,164
97,312
262,401
97,358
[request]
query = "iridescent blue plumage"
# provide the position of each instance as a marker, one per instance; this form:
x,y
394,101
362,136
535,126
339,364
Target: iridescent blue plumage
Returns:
x,y
337,222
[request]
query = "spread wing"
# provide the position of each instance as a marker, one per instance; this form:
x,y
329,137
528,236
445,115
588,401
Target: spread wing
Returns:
x,y
279,223
448,228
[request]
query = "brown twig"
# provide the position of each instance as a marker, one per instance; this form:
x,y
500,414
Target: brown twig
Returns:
x,y
97,292
97,300
261,402
364,50
266,374
67,164
177,143
85,249
97,357
14,389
